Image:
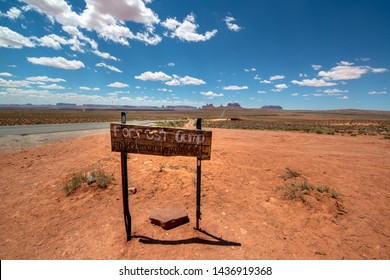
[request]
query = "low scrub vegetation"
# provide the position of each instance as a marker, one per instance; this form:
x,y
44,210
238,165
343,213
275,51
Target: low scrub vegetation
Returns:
x,y
97,178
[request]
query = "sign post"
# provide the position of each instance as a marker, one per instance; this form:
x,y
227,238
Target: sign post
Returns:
x,y
125,188
198,179
159,141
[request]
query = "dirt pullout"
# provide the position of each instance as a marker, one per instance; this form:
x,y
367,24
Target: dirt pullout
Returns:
x,y
253,206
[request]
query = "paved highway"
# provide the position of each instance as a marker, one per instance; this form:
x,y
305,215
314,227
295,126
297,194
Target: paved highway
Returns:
x,y
24,130
22,136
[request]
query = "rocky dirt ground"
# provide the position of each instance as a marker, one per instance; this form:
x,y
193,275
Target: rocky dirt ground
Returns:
x,y
265,195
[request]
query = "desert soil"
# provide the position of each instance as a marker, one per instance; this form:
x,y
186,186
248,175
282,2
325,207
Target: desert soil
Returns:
x,y
247,208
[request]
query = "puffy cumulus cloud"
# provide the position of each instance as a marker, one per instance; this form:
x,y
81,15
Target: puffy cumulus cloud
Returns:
x,y
59,10
6,74
106,18
153,76
313,83
280,87
348,71
187,80
276,77
124,10
57,62
265,82
12,13
79,41
230,25
13,40
52,86
45,79
186,30
110,67
235,87
14,83
211,94
53,41
173,80
118,85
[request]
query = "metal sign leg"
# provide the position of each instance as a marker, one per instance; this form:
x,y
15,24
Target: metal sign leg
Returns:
x,y
198,180
125,189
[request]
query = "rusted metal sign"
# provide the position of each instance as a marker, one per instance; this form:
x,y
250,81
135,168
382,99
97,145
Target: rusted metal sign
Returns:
x,y
160,141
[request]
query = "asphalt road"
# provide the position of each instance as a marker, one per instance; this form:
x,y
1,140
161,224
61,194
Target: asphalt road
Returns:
x,y
24,130
23,136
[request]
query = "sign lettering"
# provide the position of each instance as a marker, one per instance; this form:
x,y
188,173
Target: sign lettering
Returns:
x,y
161,141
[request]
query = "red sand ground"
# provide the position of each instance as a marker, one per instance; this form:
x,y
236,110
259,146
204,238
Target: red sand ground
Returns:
x,y
243,200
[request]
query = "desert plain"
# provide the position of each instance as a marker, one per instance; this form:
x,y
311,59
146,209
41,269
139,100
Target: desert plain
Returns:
x,y
266,194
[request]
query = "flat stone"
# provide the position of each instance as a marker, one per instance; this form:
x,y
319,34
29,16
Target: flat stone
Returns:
x,y
168,218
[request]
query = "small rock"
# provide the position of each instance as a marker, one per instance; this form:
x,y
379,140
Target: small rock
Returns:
x,y
132,190
91,180
168,218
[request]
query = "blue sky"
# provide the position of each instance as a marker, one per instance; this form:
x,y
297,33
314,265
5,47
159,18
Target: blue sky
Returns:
x,y
302,54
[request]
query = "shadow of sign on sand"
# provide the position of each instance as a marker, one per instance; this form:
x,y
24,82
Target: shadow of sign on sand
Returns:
x,y
217,241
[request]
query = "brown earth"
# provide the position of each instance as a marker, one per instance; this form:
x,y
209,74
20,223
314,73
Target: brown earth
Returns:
x,y
252,207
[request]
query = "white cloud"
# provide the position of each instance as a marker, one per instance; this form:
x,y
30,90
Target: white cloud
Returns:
x,y
14,83
348,71
14,40
377,92
153,76
89,89
164,90
173,80
110,67
316,67
118,85
265,82
104,55
343,97
235,87
280,87
379,70
186,30
106,18
335,92
232,26
171,64
52,86
6,74
211,94
257,77
186,80
276,77
53,41
345,63
12,13
313,83
250,70
344,72
57,62
295,94
45,79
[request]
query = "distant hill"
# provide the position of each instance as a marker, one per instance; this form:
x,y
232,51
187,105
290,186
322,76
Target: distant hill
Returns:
x,y
271,107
